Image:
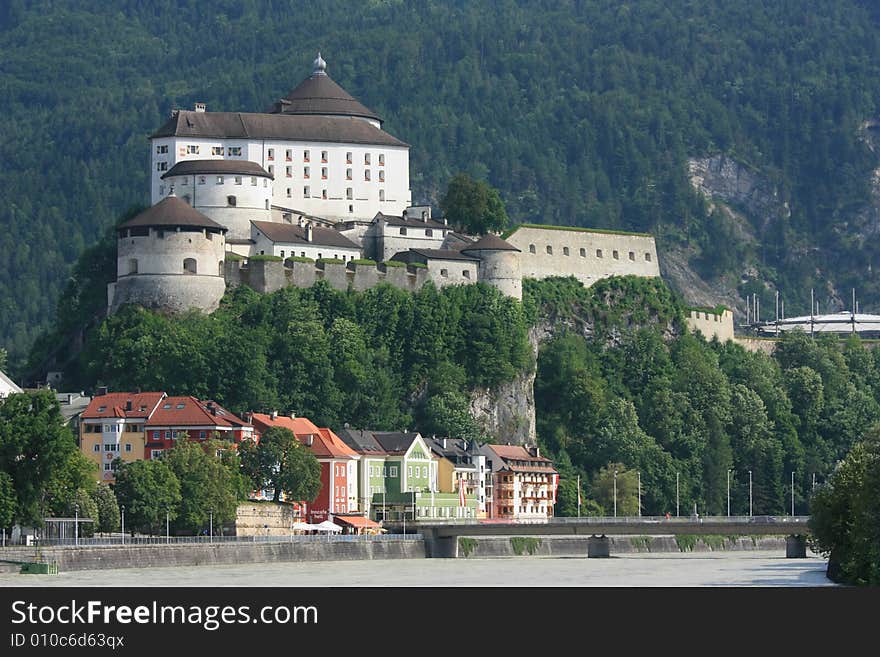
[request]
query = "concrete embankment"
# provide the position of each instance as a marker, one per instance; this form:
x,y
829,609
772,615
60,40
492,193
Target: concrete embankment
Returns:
x,y
577,546
157,556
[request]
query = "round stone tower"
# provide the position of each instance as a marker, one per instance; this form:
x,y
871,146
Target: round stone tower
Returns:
x,y
499,264
169,258
231,192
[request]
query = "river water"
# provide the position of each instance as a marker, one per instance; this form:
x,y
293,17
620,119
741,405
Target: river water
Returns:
x,y
753,568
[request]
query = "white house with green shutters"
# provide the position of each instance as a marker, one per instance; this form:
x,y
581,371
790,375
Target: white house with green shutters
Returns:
x,y
397,478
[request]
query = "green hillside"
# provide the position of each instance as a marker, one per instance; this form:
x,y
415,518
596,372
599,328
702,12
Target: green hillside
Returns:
x,y
581,113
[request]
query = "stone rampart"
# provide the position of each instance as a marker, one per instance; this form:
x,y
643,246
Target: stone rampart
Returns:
x,y
175,293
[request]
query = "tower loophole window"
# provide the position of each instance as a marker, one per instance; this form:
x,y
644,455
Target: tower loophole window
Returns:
x,y
133,266
189,266
231,201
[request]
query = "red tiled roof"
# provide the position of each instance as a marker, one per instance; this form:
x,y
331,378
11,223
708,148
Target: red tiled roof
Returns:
x,y
114,404
516,453
189,411
325,444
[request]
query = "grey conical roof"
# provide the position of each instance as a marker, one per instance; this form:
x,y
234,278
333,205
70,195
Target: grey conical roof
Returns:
x,y
171,211
490,243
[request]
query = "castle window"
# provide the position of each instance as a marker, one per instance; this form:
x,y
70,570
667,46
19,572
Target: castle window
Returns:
x,y
429,232
381,159
381,176
216,150
162,149
267,204
348,174
350,209
549,249
632,256
220,269
466,273
234,150
202,180
564,250
323,156
306,192
323,173
444,272
161,166
324,194
238,180
598,253
271,155
160,234
583,253
381,194
288,155
615,255
282,253
367,159
231,201
305,172
189,266
647,257
403,230
302,254
366,174
349,193
192,149
348,158
133,266
306,156
531,248
219,180
253,181
289,172
288,192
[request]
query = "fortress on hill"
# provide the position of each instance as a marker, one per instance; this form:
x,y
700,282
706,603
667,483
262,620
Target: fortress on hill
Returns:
x,y
313,188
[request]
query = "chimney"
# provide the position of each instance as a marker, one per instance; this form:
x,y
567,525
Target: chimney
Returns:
x,y
445,221
102,390
248,417
199,107
444,442
425,217
274,415
309,232
292,415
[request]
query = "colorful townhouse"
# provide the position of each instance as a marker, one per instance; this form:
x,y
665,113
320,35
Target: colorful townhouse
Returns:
x,y
339,482
141,425
401,474
461,464
524,483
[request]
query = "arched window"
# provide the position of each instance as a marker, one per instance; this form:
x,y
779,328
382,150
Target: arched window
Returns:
x,y
583,253
647,257
615,255
598,253
133,266
531,248
549,249
632,256
564,250
189,266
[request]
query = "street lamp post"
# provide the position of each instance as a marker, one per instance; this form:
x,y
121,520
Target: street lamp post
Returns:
x,y
728,493
211,539
792,492
750,493
123,525
167,526
676,494
615,493
76,524
640,493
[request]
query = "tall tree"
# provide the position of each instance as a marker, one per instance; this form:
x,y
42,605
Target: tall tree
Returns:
x,y
473,206
279,462
148,490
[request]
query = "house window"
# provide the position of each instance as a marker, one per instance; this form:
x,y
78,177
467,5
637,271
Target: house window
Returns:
x,y
271,155
161,166
632,256
127,447
202,433
305,192
133,266
97,448
323,156
647,257
288,192
565,250
162,149
348,174
323,173
192,149
202,180
598,253
234,150
219,180
306,156
156,453
288,155
381,194
350,209
393,470
367,159
549,249
348,158
107,467
324,194
429,232
305,172
381,159
381,176
349,193
289,172
403,230
409,471
615,255
531,248
216,150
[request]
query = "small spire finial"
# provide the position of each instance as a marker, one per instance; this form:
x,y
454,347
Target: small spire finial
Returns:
x,y
320,65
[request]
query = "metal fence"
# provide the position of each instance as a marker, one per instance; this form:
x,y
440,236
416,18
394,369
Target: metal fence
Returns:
x,y
210,540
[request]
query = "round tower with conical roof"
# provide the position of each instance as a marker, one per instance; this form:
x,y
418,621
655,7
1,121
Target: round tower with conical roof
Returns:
x,y
499,264
169,258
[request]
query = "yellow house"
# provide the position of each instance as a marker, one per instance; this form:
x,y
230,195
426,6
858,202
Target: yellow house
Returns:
x,y
460,461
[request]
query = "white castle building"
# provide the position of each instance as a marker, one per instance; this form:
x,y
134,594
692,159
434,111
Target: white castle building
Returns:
x,y
306,191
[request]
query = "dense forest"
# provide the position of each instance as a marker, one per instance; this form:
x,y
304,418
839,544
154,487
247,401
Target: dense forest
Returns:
x,y
580,113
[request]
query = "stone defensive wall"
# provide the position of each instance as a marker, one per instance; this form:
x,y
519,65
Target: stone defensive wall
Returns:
x,y
174,293
266,276
587,254
157,556
712,323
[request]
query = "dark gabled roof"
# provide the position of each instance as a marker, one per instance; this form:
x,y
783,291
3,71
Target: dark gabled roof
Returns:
x,y
297,235
171,211
290,127
490,243
456,448
361,441
228,167
395,442
409,221
444,254
319,95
